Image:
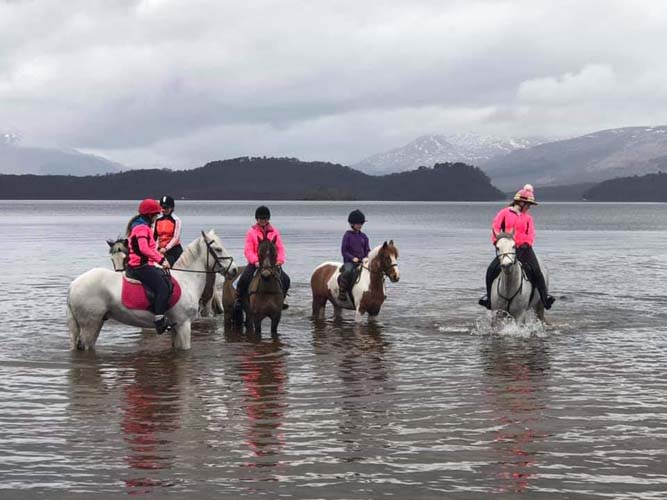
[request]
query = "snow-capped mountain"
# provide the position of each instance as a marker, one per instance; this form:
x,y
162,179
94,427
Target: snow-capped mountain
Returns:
x,y
593,157
17,159
428,150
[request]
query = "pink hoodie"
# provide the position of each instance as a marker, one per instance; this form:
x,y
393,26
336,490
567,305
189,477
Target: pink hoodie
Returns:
x,y
255,235
508,219
143,249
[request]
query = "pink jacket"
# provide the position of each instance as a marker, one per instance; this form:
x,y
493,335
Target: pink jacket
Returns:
x,y
509,219
255,235
143,249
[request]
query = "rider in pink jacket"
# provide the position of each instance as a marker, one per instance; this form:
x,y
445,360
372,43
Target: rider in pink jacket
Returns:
x,y
258,232
515,218
146,264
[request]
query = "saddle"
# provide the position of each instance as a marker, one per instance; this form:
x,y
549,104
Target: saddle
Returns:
x,y
134,295
351,279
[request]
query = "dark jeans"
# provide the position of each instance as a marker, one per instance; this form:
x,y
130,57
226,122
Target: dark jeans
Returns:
x,y
173,254
528,259
159,283
246,277
347,275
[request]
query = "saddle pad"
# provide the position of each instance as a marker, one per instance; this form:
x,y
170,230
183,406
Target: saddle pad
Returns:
x,y
133,295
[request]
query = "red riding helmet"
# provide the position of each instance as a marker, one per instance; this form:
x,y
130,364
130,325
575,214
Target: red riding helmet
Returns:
x,y
149,207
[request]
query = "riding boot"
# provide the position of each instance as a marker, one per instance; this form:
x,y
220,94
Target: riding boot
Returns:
x,y
492,273
162,324
342,289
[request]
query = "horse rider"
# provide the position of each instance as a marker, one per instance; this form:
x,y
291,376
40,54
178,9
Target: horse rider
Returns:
x,y
167,231
515,217
146,264
355,248
260,231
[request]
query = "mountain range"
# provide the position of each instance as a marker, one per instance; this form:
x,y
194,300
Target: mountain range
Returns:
x,y
594,157
428,150
17,159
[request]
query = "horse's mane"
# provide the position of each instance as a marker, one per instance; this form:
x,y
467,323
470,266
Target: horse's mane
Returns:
x,y
192,251
376,251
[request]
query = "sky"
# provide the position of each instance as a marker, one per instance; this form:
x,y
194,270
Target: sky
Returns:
x,y
175,84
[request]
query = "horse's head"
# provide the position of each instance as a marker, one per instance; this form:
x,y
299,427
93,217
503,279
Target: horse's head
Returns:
x,y
119,251
218,258
387,259
268,256
506,250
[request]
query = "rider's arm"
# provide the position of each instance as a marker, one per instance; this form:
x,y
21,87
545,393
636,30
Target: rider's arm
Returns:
x,y
250,248
367,250
143,238
177,234
280,259
530,231
497,225
345,248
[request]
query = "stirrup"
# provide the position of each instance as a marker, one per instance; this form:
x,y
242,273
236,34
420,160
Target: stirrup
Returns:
x,y
163,325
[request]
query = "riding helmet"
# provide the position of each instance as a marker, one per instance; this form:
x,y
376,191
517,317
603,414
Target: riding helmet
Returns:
x,y
356,217
262,213
167,201
149,207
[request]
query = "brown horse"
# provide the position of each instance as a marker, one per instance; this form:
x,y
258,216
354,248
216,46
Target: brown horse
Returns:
x,y
265,293
368,293
229,297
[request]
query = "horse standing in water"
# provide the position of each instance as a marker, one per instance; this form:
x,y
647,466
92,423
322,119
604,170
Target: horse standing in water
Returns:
x,y
265,292
95,296
229,297
512,292
210,303
368,293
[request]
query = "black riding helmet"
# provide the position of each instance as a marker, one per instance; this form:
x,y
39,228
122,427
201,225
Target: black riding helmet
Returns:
x,y
356,217
167,201
262,213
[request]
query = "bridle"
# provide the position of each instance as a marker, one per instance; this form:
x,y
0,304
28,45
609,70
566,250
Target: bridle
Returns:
x,y
384,270
210,253
513,260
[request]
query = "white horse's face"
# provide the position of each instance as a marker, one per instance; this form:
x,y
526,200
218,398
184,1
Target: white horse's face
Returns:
x,y
506,251
225,263
118,251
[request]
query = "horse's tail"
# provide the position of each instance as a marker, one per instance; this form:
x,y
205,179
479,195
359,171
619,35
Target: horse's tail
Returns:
x,y
73,325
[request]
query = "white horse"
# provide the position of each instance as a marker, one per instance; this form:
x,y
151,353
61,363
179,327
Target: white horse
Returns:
x,y
511,291
95,296
368,292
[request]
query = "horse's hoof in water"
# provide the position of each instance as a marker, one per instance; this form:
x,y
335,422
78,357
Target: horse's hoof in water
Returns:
x,y
80,346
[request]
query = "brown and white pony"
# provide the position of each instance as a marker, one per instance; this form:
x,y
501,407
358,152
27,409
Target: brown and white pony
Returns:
x,y
368,292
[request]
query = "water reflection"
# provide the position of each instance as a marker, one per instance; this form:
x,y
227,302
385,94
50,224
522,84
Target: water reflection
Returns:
x,y
261,369
144,390
359,353
517,371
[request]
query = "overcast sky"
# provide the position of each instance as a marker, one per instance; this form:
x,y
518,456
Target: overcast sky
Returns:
x,y
178,83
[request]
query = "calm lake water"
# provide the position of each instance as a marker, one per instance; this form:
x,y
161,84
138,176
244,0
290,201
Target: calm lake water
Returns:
x,y
429,403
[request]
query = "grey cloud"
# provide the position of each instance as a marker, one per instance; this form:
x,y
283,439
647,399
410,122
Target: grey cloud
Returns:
x,y
172,82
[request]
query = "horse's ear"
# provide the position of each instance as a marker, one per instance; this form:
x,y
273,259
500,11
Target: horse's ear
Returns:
x,y
125,241
391,243
384,245
274,240
512,232
110,243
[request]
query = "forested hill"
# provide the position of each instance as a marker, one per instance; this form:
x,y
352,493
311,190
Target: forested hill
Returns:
x,y
261,179
651,187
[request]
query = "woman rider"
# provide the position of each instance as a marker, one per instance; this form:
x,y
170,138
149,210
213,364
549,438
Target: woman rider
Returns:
x,y
355,248
258,232
168,231
146,264
516,218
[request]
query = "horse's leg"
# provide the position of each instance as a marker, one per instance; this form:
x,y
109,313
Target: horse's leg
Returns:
x,y
539,311
258,325
89,331
358,316
181,336
319,305
275,320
